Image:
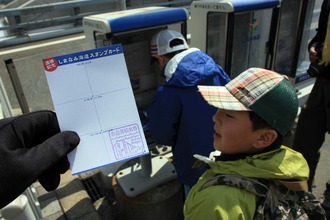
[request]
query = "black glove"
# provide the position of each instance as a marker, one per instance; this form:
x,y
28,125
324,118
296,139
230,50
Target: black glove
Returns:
x,y
32,147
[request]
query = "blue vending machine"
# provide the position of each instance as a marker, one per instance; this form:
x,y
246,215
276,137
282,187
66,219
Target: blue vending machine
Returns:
x,y
237,34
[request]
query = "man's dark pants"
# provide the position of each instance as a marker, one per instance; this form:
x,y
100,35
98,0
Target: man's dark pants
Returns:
x,y
313,124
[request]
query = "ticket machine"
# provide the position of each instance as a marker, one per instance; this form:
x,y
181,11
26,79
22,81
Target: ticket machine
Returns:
x,y
241,34
236,34
134,29
290,51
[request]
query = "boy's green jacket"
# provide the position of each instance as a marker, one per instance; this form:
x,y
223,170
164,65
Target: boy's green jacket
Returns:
x,y
226,202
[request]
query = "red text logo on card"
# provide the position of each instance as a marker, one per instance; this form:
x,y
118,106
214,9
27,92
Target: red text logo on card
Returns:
x,y
50,64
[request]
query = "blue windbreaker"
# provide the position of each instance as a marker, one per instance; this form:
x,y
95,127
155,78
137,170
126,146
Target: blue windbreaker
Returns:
x,y
179,116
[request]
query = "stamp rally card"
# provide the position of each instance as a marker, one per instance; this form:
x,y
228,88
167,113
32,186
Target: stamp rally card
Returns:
x,y
92,96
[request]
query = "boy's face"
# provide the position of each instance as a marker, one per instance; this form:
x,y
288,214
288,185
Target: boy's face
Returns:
x,y
234,133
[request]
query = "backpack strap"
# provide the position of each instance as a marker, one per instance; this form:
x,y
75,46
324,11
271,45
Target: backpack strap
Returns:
x,y
256,186
295,185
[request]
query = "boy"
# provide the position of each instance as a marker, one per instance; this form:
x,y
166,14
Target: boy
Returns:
x,y
255,111
179,116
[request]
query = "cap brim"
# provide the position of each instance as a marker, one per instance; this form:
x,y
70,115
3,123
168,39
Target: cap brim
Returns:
x,y
221,98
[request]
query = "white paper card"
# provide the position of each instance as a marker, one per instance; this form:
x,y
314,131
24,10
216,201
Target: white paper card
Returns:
x,y
92,96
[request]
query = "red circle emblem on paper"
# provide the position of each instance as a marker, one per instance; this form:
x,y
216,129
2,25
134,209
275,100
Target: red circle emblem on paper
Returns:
x,y
50,64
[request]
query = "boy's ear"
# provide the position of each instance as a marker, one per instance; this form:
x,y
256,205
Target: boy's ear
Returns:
x,y
162,60
266,138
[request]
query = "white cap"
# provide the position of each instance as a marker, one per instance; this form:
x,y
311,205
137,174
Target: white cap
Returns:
x,y
160,42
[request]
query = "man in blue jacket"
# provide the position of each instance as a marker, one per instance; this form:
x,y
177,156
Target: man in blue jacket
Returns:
x,y
178,116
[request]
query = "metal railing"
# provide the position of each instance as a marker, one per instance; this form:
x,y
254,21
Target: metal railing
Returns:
x,y
33,23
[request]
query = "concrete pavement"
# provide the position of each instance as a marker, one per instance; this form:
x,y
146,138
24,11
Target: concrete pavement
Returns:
x,y
322,171
69,201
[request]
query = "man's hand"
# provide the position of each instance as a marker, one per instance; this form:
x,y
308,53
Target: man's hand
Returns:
x,y
313,53
313,57
32,148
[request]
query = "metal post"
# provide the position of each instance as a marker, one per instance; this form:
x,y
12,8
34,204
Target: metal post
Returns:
x,y
121,5
31,194
146,165
17,86
4,101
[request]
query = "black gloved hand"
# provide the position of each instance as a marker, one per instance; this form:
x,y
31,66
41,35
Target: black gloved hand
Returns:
x,y
32,147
